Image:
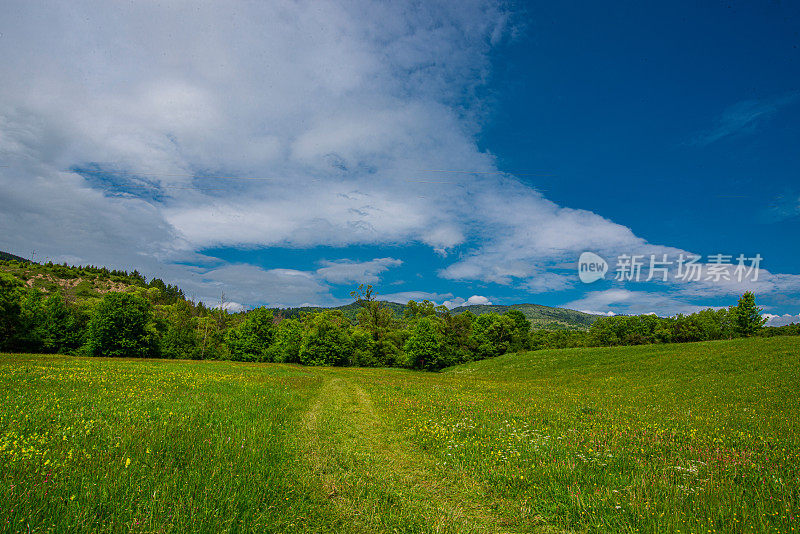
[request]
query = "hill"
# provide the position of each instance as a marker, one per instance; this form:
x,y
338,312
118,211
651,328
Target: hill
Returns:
x,y
348,310
540,316
74,282
7,256
89,281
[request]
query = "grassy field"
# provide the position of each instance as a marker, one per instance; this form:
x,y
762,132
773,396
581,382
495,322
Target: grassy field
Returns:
x,y
691,438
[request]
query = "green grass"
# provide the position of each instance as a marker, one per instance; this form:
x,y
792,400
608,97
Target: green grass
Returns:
x,y
674,438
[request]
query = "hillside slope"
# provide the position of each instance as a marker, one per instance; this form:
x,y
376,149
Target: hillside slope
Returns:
x,y
72,282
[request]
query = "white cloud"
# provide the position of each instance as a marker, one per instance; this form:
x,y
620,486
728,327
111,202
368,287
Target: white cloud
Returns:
x,y
453,303
624,301
344,271
458,301
253,286
744,118
331,108
232,307
780,320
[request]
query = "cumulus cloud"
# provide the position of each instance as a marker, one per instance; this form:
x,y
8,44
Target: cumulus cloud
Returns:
x,y
137,143
344,271
781,320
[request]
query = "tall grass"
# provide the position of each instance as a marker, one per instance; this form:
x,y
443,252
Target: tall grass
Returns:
x,y
679,438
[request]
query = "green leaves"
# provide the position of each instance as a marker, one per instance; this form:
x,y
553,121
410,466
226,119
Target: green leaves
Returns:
x,y
747,316
327,340
250,339
120,327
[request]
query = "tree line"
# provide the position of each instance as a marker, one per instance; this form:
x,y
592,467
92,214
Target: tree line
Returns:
x,y
155,321
742,320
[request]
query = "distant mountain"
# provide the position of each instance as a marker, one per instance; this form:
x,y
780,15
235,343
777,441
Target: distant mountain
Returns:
x,y
539,316
545,317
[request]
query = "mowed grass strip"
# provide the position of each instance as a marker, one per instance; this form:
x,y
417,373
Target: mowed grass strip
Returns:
x,y
377,480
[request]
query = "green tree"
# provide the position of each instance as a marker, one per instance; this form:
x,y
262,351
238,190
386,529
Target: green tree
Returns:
x,y
326,341
747,318
121,327
64,326
458,336
364,351
180,340
10,293
32,324
492,335
520,335
377,319
252,337
288,341
426,348
426,308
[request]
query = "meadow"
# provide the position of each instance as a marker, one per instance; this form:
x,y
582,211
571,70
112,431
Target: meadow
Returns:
x,y
690,438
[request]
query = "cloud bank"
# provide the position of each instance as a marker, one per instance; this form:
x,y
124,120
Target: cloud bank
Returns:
x,y
141,135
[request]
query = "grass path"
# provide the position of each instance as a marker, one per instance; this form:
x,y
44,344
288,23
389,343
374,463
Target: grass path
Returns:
x,y
376,480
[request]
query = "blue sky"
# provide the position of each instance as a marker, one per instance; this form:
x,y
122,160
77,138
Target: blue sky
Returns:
x,y
675,120
460,152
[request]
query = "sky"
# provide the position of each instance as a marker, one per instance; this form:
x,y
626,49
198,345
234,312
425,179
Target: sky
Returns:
x,y
280,153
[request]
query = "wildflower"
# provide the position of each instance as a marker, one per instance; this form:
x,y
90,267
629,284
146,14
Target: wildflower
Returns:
x,y
127,463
